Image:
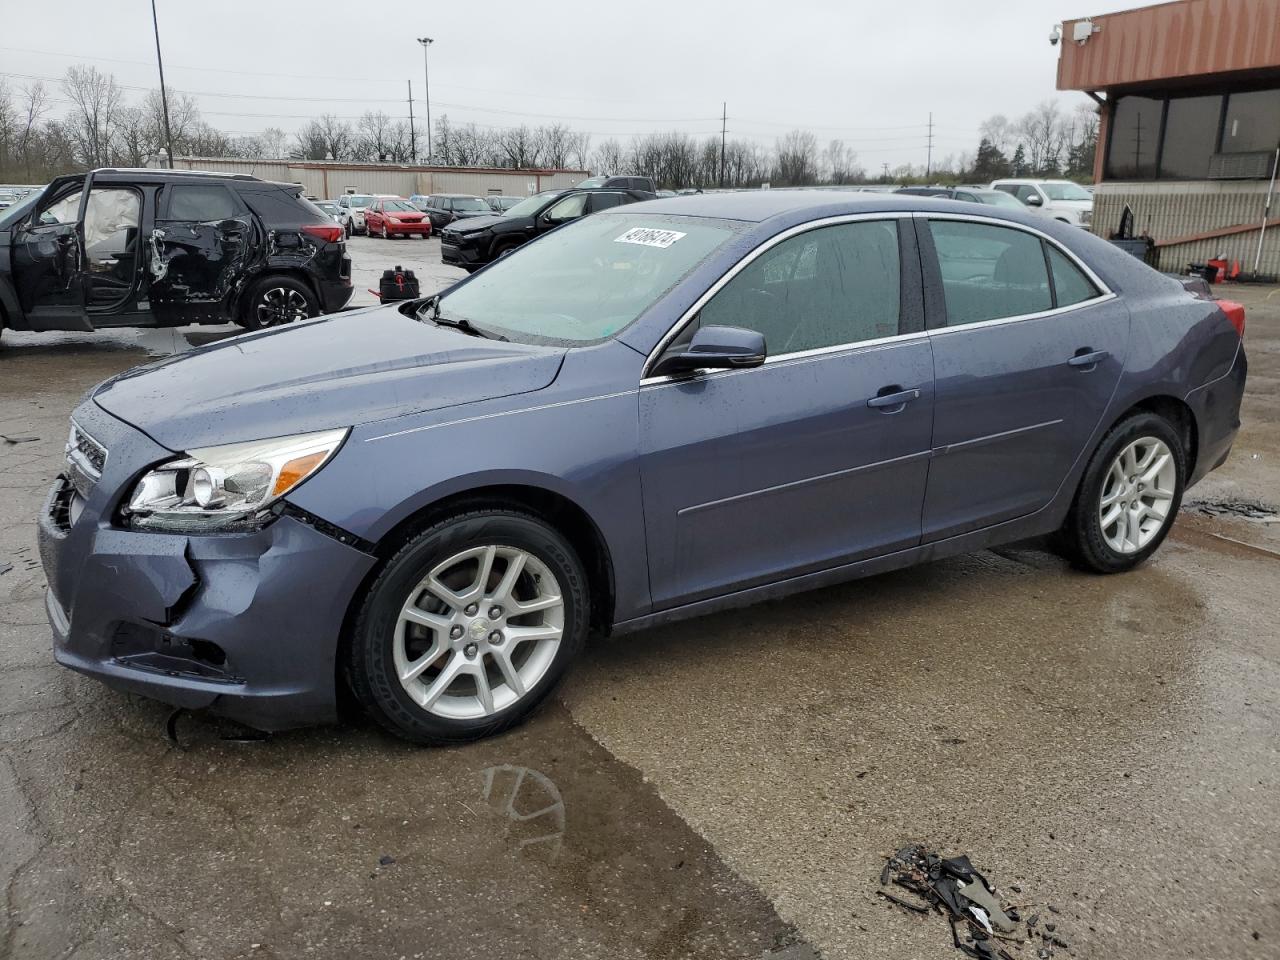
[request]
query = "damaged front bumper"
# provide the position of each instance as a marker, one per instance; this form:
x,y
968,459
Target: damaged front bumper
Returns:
x,y
244,624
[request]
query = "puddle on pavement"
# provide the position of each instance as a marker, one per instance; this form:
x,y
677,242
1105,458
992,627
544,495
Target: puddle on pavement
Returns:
x,y
534,844
153,342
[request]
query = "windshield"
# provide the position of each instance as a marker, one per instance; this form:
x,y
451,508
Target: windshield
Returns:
x,y
399,205
585,281
998,198
531,205
1065,191
469,203
357,201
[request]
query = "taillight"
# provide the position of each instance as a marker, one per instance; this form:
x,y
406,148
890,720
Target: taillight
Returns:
x,y
331,233
1235,313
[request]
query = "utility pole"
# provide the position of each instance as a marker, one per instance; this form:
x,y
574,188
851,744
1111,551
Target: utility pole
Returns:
x,y
413,137
724,119
886,172
164,96
928,166
426,90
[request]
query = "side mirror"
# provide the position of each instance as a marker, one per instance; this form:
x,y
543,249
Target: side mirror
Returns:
x,y
1034,200
714,348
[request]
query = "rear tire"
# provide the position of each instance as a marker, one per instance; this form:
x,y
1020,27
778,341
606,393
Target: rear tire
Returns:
x,y
277,300
1128,497
440,653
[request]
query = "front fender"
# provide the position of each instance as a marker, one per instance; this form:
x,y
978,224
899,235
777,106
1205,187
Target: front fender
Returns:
x,y
578,438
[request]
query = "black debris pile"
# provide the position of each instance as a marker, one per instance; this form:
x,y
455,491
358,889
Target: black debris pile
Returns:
x,y
984,925
1248,509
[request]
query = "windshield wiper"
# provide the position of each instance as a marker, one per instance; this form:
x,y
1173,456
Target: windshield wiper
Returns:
x,y
431,311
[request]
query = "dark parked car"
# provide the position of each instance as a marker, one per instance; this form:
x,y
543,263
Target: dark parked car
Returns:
x,y
995,198
643,184
446,208
653,413
474,243
147,248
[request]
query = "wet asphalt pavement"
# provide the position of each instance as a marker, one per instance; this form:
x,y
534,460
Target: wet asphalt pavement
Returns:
x,y
723,788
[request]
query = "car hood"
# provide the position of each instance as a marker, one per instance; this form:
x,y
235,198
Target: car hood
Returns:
x,y
478,222
336,371
472,214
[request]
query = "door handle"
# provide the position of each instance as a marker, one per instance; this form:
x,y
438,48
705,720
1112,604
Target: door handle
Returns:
x,y
893,401
1088,358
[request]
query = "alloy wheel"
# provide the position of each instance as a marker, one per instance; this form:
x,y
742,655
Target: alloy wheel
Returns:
x,y
1137,495
281,305
478,632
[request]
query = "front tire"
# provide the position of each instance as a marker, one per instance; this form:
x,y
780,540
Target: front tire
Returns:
x,y
1128,497
468,627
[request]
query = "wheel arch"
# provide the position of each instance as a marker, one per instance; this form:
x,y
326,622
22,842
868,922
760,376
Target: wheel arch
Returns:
x,y
1181,418
255,278
554,508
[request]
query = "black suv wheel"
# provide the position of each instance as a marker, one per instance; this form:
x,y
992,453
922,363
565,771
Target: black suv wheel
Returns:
x,y
277,300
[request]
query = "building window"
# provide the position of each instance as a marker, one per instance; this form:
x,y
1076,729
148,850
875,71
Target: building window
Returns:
x,y
1135,134
1253,122
1190,136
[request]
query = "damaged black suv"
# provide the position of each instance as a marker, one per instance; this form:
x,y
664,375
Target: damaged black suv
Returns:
x,y
158,248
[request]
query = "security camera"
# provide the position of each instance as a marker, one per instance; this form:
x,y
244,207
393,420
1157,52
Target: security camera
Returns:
x,y
1055,34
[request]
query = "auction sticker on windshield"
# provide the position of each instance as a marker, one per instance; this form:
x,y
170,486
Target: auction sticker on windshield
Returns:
x,y
650,237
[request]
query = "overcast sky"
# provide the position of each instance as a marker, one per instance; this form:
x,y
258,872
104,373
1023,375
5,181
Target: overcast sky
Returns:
x,y
866,73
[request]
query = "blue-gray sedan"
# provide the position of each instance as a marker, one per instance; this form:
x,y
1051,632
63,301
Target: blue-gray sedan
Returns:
x,y
648,414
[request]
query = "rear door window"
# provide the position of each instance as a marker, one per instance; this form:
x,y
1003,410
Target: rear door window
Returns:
x,y
199,202
603,201
990,272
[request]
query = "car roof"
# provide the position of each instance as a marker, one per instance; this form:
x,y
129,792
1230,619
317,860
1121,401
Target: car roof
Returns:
x,y
756,206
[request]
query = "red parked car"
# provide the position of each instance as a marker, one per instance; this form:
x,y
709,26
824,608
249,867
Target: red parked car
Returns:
x,y
395,218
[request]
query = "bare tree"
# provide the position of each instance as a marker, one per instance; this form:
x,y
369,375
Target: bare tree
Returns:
x,y
338,136
309,142
519,146
10,124
608,157
273,141
579,150
796,163
554,141
35,105
96,104
999,131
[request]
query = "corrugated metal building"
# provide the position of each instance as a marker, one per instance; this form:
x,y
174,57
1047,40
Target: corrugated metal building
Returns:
x,y
326,178
1189,96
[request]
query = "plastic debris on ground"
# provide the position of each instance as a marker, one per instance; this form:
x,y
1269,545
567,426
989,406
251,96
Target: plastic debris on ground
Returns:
x,y
984,924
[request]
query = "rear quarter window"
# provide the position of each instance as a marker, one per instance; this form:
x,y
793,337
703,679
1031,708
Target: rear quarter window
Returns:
x,y
279,208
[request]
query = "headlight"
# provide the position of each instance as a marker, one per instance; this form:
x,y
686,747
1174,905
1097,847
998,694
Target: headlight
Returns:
x,y
228,487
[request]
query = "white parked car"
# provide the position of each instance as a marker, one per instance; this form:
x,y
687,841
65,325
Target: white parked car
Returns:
x,y
1060,199
351,207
